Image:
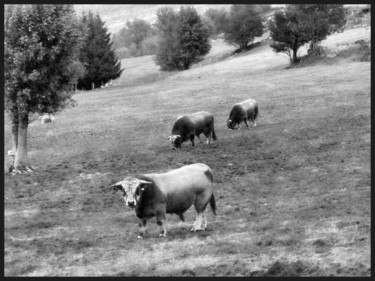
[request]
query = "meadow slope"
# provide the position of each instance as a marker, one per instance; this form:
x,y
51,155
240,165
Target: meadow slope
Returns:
x,y
293,193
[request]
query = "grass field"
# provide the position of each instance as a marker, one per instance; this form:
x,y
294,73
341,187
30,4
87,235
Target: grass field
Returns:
x,y
293,193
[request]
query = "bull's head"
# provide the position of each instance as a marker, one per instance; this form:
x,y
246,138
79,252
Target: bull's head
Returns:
x,y
176,140
231,124
131,190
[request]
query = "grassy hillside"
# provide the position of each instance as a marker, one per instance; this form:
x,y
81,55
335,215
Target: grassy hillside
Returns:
x,y
293,193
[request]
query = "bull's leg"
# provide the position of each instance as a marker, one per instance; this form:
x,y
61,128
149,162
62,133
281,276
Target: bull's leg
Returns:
x,y
198,222
192,140
208,138
142,228
160,220
252,118
245,121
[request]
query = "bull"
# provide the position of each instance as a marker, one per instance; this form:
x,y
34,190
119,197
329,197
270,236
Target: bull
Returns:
x,y
188,126
242,112
173,192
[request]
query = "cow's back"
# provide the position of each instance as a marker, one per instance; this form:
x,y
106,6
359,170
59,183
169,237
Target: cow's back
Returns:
x,y
195,177
248,105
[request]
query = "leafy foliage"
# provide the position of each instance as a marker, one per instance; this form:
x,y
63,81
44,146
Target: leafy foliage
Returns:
x,y
217,19
138,36
96,53
183,38
243,24
40,57
304,23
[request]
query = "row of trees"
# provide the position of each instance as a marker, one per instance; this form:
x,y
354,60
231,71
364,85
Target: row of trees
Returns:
x,y
47,48
177,41
240,25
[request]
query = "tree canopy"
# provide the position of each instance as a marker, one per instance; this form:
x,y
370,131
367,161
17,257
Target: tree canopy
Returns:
x,y
303,23
138,37
183,38
243,24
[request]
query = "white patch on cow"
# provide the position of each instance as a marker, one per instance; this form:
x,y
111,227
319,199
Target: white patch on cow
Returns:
x,y
173,138
199,221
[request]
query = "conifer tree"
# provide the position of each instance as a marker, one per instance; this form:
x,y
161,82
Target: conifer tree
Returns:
x,y
96,54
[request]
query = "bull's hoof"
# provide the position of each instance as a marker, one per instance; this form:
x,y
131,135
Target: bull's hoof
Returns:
x,y
140,237
162,235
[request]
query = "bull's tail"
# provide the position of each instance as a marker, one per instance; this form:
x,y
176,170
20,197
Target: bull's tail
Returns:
x,y
213,204
256,111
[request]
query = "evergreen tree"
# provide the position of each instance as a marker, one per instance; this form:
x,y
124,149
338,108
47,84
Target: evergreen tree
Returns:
x,y
183,38
40,61
96,54
243,24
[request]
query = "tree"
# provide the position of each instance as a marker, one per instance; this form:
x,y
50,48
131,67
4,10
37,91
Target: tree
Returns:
x,y
217,19
304,23
183,38
244,23
96,54
40,61
322,19
138,36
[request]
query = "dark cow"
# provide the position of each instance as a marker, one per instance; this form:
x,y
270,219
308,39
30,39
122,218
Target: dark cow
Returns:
x,y
243,111
172,192
188,126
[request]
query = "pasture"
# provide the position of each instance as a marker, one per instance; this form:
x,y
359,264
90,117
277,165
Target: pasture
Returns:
x,y
292,193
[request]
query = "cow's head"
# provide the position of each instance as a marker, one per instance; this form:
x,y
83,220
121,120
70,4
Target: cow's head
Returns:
x,y
231,124
176,140
131,190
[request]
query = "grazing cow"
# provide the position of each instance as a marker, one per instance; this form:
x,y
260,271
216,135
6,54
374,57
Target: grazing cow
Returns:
x,y
47,118
172,192
188,126
243,111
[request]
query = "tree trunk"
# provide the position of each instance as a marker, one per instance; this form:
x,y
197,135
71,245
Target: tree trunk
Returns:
x,y
21,161
14,131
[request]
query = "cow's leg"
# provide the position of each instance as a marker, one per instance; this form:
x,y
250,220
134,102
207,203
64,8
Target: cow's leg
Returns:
x,y
208,138
198,222
192,140
245,121
254,122
142,228
160,220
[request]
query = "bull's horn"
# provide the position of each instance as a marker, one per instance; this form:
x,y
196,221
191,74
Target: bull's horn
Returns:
x,y
142,181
